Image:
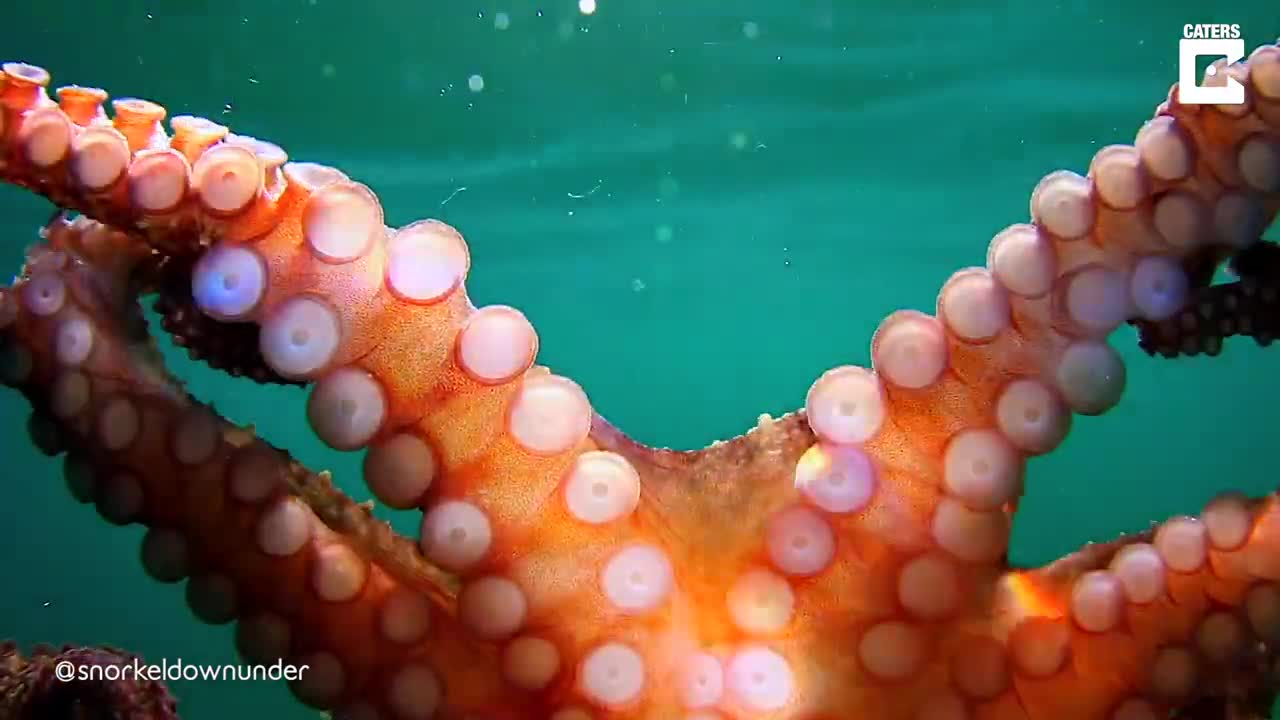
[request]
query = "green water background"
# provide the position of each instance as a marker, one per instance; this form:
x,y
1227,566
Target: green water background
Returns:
x,y
698,218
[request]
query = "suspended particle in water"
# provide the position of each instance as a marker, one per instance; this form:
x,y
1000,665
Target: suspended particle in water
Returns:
x,y
501,21
637,285
750,30
663,234
586,7
738,140
475,83
328,70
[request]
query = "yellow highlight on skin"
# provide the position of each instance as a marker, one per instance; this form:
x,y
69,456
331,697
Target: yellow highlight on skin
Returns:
x,y
813,464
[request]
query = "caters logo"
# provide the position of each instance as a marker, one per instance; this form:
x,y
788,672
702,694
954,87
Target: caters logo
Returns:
x,y
1209,39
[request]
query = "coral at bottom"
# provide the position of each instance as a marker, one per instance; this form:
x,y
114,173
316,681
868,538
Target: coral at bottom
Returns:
x,y
74,683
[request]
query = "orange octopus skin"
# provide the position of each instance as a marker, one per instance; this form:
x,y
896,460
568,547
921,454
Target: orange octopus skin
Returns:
x,y
844,561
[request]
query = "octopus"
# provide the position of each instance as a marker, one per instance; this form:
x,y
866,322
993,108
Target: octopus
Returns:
x,y
33,688
846,560
1248,307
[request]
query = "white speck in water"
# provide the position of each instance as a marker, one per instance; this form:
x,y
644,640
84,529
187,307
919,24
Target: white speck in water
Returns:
x,y
637,285
589,193
586,7
663,234
452,195
475,83
501,21
750,30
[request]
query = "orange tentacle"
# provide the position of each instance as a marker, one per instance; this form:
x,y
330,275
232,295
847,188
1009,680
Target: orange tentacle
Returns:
x,y
844,561
1148,623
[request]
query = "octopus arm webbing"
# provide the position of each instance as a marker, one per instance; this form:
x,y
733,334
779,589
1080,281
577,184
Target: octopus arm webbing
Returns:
x,y
844,561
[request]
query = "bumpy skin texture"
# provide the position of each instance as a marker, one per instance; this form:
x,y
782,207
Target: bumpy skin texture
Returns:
x,y
1248,307
31,688
847,560
226,346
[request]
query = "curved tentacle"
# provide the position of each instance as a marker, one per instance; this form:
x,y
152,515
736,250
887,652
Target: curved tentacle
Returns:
x,y
345,596
1248,307
845,560
232,347
1182,617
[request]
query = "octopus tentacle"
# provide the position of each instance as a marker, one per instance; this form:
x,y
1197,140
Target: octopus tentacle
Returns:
x,y
1248,307
221,504
232,347
844,560
1183,614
